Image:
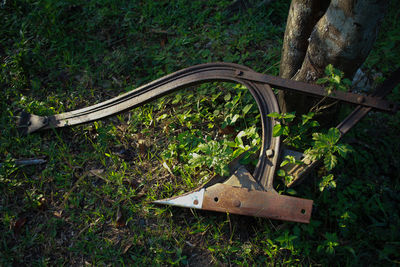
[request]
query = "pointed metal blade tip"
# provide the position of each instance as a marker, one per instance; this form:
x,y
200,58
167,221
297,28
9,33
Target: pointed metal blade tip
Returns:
x,y
192,200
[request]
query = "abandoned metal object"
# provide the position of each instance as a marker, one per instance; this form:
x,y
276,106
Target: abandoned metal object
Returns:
x,y
243,193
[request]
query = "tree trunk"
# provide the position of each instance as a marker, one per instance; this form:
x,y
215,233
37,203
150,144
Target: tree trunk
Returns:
x,y
341,34
303,16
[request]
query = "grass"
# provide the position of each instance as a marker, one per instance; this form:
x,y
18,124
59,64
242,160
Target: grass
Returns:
x,y
90,204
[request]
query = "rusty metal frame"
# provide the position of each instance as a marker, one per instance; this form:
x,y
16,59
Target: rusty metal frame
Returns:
x,y
242,193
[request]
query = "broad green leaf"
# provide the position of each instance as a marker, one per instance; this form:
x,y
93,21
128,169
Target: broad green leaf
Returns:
x,y
236,98
247,108
289,116
281,173
336,78
235,118
284,163
239,141
314,124
306,117
333,135
326,180
231,144
316,136
275,115
291,159
286,130
329,70
330,161
215,96
343,149
277,130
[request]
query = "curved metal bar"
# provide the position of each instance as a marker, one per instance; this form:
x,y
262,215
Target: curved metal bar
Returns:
x,y
261,92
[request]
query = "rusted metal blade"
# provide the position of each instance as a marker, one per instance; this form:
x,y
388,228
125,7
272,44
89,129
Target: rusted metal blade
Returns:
x,y
243,201
240,194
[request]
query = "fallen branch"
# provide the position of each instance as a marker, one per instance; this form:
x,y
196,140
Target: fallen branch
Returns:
x,y
27,162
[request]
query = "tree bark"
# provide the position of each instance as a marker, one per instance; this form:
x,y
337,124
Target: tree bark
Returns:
x,y
303,16
343,36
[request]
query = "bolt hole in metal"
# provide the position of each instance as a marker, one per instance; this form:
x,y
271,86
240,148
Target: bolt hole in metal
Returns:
x,y
303,211
195,202
216,199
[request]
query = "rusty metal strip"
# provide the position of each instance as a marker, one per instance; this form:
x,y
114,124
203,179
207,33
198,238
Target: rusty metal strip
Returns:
x,y
313,89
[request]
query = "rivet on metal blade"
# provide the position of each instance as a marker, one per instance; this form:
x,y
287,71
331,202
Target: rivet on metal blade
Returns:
x,y
239,73
236,203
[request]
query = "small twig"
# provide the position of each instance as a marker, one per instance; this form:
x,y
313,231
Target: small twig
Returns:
x,y
316,105
327,106
27,162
